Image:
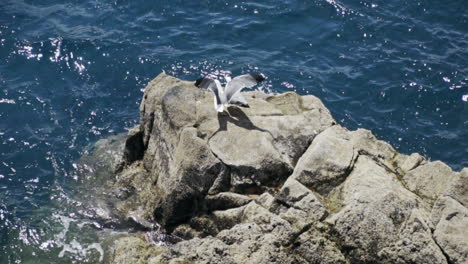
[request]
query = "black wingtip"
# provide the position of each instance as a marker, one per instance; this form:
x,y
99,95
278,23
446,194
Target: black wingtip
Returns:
x,y
258,77
198,82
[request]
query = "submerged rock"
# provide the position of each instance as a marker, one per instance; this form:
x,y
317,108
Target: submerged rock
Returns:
x,y
280,182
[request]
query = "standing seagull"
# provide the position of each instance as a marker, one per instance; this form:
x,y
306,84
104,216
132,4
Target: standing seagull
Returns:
x,y
231,93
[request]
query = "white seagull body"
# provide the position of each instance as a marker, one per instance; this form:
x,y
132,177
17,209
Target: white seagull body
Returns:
x,y
223,96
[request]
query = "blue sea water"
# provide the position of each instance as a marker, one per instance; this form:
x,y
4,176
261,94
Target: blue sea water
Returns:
x,y
73,72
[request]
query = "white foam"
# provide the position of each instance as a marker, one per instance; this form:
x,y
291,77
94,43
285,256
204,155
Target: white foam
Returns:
x,y
7,101
74,247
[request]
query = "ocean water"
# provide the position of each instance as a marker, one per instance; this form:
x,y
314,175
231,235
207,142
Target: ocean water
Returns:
x,y
73,72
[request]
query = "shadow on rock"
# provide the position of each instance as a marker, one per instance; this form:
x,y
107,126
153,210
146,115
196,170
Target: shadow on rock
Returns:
x,y
236,116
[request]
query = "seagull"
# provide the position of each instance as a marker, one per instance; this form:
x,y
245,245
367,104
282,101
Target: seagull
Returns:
x,y
223,96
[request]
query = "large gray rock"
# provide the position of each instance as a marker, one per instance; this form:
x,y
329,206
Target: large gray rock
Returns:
x,y
280,182
430,180
133,249
191,151
314,246
299,205
450,218
258,237
458,189
226,200
376,210
451,228
327,161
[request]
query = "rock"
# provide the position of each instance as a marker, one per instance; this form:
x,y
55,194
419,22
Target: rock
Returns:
x,y
179,196
279,182
256,165
226,200
458,189
129,177
104,203
451,228
301,207
134,148
407,163
376,209
266,200
133,250
191,151
327,161
368,144
313,247
208,250
186,232
226,219
450,218
258,237
430,180
414,243
268,222
287,103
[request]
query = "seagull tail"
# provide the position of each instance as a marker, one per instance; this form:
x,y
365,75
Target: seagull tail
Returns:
x,y
218,107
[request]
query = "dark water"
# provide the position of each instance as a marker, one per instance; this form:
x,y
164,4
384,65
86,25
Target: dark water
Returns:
x,y
72,72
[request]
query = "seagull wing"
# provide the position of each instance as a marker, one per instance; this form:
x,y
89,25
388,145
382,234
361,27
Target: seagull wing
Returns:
x,y
240,82
239,99
210,84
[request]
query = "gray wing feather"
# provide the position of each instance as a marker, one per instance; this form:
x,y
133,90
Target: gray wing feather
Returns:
x,y
209,84
238,99
240,82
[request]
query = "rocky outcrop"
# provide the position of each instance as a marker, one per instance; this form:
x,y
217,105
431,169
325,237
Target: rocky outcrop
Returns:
x,y
280,182
450,220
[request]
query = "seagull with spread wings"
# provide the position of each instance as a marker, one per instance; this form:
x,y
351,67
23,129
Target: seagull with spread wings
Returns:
x,y
231,94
